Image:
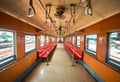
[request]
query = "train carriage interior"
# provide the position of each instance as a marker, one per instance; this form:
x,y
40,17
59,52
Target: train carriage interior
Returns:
x,y
59,40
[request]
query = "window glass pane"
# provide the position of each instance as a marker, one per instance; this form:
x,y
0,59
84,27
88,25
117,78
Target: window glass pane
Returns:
x,y
47,39
6,47
30,43
50,39
42,40
91,43
67,39
78,41
53,39
114,49
70,39
73,40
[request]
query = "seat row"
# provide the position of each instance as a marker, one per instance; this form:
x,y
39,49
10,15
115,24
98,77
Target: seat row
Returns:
x,y
44,52
74,51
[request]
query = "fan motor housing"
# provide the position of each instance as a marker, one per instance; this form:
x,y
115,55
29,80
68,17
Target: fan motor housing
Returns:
x,y
59,12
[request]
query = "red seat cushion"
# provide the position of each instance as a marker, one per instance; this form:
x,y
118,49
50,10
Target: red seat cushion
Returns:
x,y
77,52
45,51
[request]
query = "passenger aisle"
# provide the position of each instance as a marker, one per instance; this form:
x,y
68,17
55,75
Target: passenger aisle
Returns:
x,y
60,69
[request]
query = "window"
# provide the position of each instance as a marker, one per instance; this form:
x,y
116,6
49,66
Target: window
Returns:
x,y
78,41
91,43
7,43
114,49
70,39
47,40
73,40
42,40
67,39
30,43
53,39
50,39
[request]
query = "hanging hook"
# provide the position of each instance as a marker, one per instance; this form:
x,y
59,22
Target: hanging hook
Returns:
x,y
48,9
72,9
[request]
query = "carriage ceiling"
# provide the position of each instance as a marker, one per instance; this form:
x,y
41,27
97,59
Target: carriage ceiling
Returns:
x,y
102,9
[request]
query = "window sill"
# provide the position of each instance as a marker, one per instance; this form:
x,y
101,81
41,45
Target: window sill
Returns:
x,y
113,66
7,60
30,51
6,66
103,62
90,52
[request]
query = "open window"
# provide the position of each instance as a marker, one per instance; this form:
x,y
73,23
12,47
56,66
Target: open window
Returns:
x,y
113,56
73,40
67,39
70,39
78,41
53,39
91,44
7,47
47,40
30,43
42,41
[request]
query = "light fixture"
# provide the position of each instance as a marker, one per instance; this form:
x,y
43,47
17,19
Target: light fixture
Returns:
x,y
31,10
88,9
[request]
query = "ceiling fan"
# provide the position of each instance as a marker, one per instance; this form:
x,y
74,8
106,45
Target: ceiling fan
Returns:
x,y
59,12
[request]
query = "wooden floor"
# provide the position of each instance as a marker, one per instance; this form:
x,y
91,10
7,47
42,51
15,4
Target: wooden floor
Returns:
x,y
60,69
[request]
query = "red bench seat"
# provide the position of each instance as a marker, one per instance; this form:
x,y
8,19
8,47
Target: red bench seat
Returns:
x,y
75,52
46,50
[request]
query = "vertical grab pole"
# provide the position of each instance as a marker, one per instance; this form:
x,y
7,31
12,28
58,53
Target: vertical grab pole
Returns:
x,y
47,59
73,59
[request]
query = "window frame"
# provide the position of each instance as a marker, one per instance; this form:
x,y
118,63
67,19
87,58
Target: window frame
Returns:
x,y
108,59
14,49
53,39
35,44
70,39
67,39
73,40
47,39
43,41
93,53
77,41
